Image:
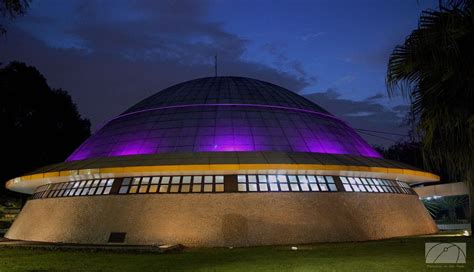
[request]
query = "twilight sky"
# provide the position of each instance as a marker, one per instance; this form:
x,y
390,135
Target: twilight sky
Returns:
x,y
110,54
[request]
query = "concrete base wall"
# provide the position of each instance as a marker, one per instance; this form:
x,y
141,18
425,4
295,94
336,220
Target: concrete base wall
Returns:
x,y
227,219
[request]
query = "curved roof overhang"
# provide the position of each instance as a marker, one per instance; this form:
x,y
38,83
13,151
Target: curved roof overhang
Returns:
x,y
222,163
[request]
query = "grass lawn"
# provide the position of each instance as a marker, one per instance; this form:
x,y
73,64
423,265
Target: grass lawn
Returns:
x,y
405,254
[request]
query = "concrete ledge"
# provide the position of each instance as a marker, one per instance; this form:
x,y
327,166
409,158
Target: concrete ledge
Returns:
x,y
447,189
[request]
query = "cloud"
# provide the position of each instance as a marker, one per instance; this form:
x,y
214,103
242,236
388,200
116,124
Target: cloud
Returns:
x,y
376,96
347,79
278,53
111,56
312,36
365,114
122,60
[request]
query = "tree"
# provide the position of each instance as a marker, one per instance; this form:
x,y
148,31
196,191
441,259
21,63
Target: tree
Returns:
x,y
409,152
39,125
434,69
12,9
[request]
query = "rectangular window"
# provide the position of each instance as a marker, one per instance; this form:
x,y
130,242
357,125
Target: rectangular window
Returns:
x,y
253,187
92,190
107,190
272,179
252,178
242,187
311,179
197,180
292,179
99,190
78,192
123,190
135,181
263,187
143,188
314,187
219,179
153,188
208,179
103,182
284,187
282,179
133,189
165,180
187,180
155,180
126,181
174,188
219,188
332,187
110,182
175,180
274,187
207,188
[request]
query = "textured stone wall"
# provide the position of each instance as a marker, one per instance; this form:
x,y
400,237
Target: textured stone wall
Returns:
x,y
226,219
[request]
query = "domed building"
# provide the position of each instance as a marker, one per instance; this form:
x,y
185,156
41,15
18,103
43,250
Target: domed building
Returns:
x,y
222,161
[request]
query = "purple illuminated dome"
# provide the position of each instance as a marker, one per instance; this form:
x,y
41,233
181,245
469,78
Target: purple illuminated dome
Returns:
x,y
223,114
222,161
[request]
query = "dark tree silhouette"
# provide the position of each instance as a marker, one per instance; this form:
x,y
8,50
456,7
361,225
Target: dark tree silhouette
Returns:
x,y
12,9
409,152
434,68
406,152
39,125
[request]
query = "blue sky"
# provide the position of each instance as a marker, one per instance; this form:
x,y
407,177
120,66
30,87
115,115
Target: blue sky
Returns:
x,y
111,54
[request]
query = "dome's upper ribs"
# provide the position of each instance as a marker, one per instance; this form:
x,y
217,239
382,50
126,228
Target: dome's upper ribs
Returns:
x,y
226,90
325,115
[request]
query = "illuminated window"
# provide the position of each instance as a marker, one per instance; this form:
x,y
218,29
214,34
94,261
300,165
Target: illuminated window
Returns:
x,y
241,179
107,190
219,186
207,187
197,180
174,188
241,183
208,179
187,180
125,185
99,190
153,188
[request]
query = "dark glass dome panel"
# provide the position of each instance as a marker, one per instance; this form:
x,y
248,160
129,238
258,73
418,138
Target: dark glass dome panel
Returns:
x,y
197,123
226,90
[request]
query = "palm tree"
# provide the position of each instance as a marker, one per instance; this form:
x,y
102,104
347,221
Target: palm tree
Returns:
x,y
434,68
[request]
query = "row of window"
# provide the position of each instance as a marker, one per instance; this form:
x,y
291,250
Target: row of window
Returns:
x,y
75,188
174,184
374,185
285,183
215,184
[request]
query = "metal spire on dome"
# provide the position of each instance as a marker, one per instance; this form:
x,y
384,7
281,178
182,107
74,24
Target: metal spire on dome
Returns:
x,y
215,65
